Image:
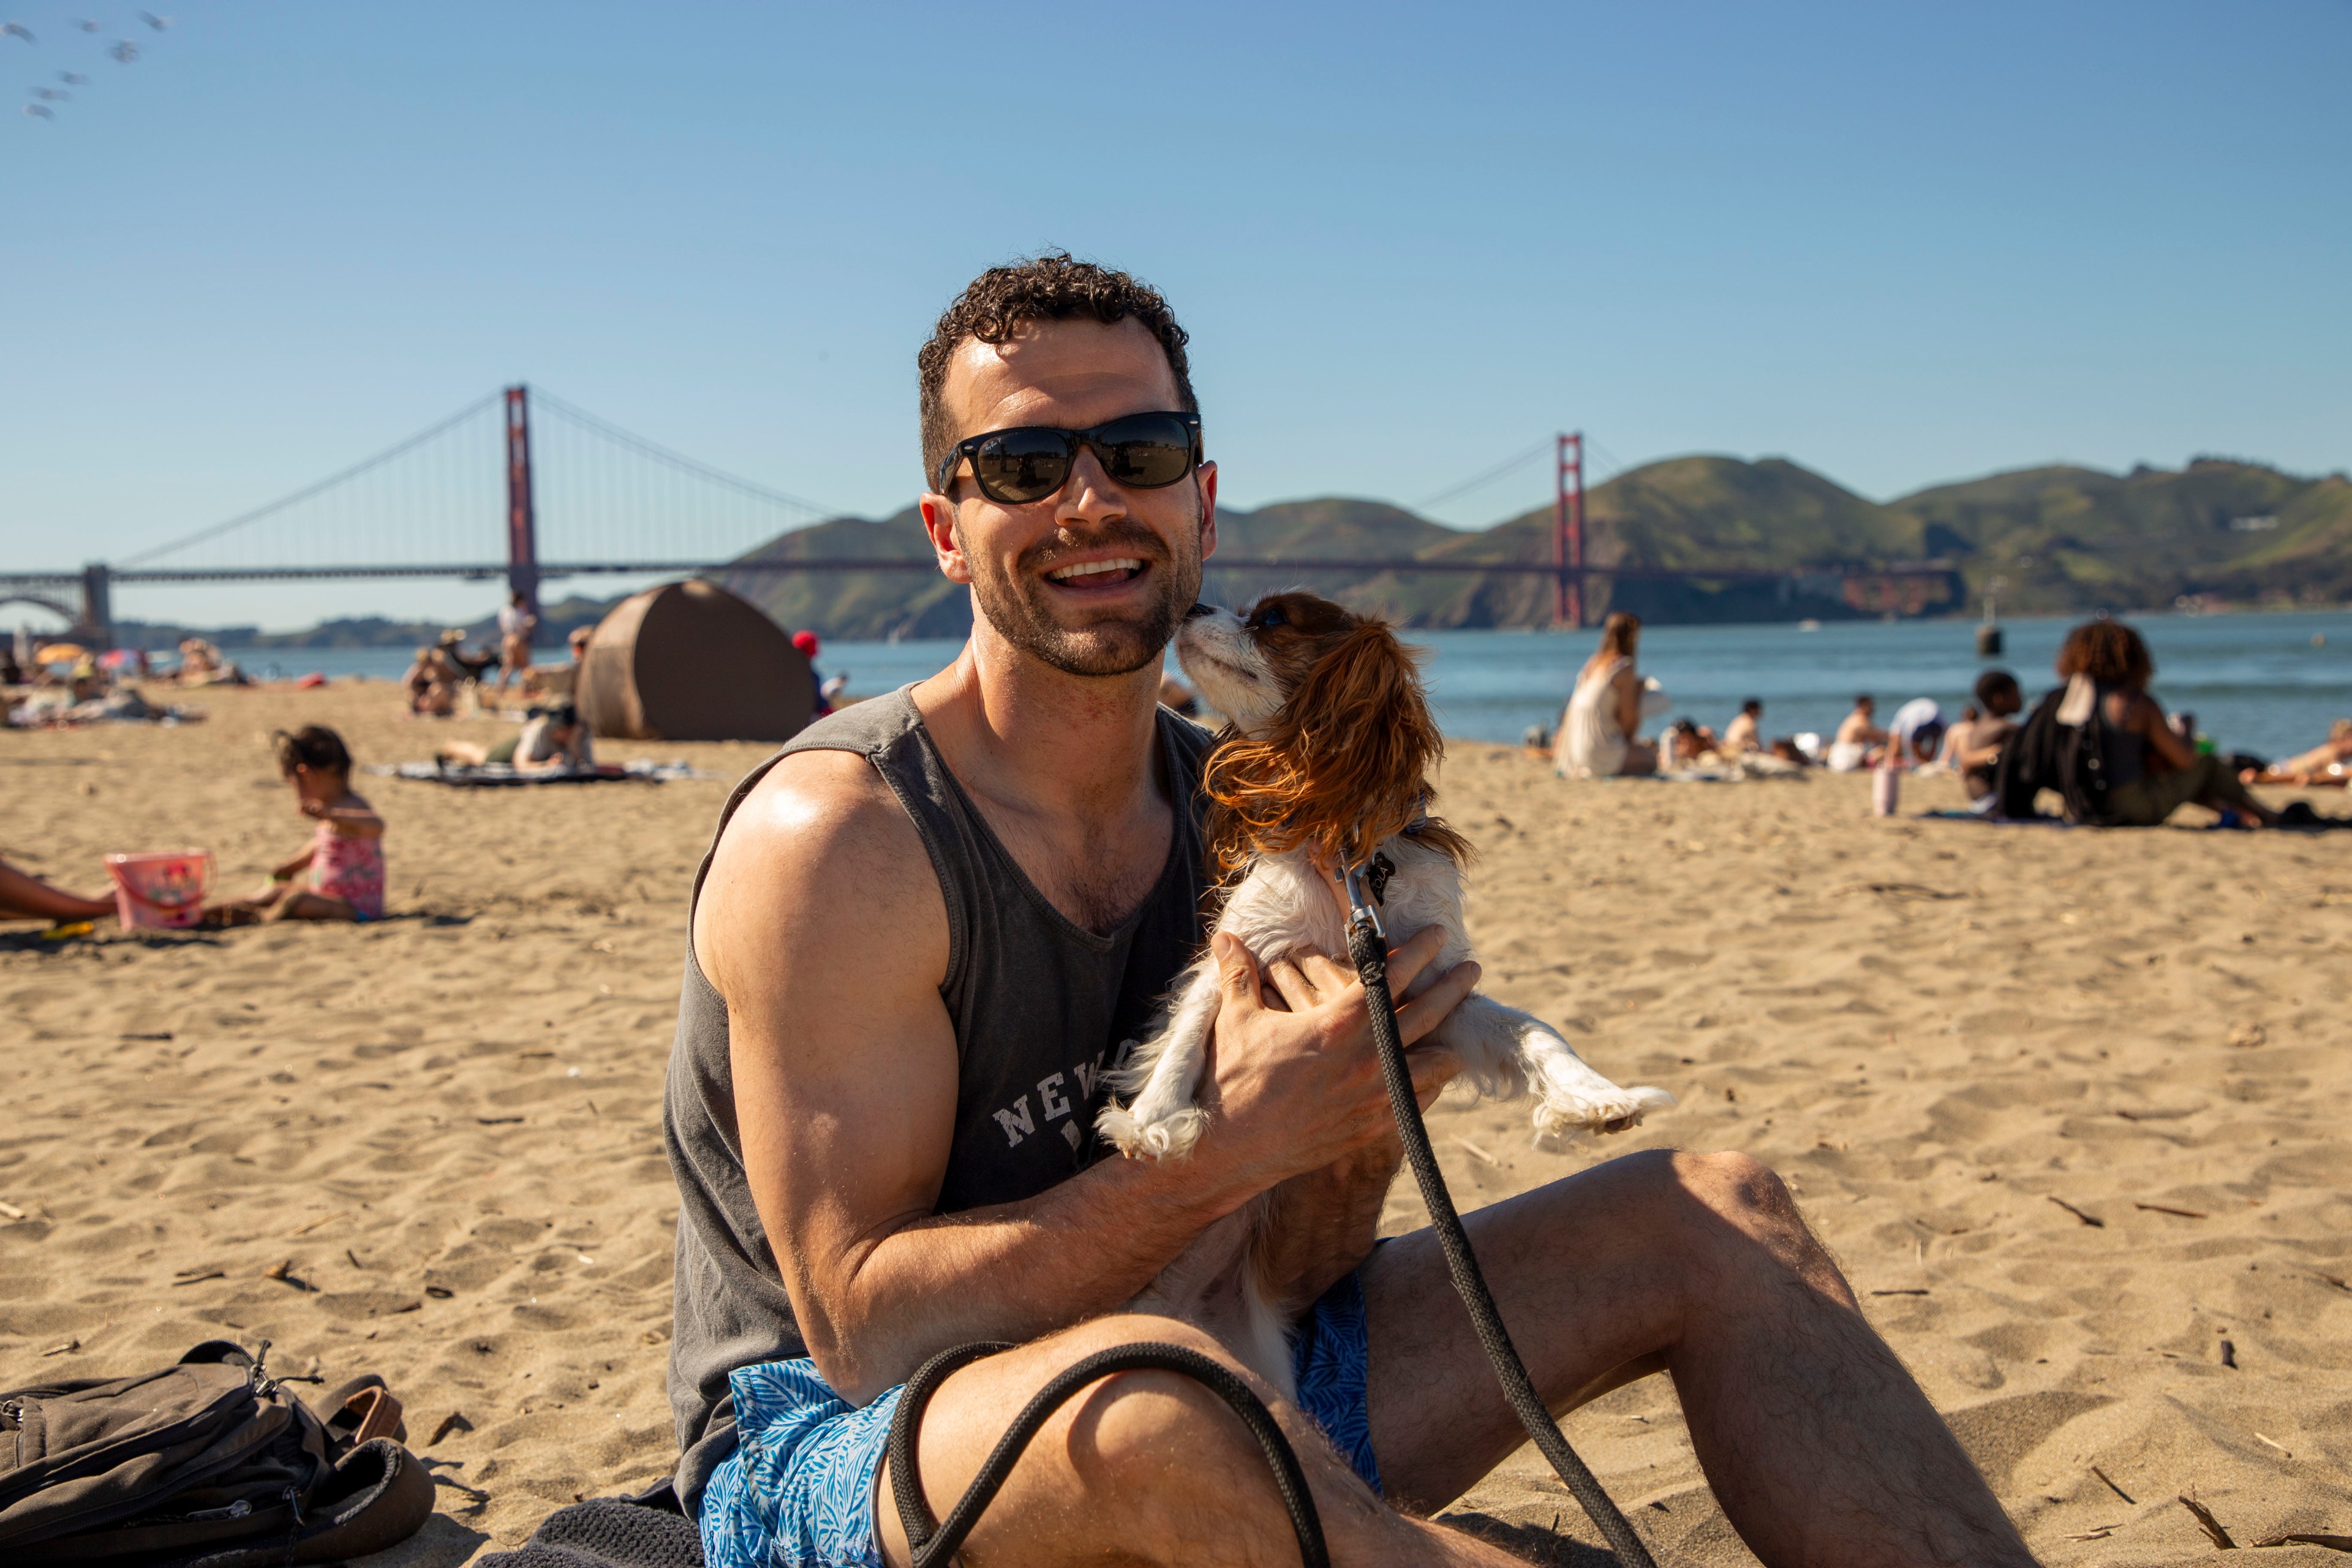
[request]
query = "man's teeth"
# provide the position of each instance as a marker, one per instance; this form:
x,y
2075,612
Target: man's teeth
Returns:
x,y
1090,568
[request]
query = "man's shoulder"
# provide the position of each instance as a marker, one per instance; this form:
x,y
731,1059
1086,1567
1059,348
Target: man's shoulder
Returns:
x,y
819,857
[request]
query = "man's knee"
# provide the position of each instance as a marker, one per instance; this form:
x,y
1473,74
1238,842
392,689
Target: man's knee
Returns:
x,y
1740,1201
1133,1428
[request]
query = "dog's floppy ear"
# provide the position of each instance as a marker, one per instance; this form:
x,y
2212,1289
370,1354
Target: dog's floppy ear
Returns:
x,y
1341,765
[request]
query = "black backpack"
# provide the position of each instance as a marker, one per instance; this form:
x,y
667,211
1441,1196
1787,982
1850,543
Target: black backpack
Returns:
x,y
2068,758
208,1462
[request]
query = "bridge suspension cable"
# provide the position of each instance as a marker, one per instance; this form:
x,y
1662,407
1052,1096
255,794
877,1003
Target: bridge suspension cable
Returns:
x,y
368,465
435,502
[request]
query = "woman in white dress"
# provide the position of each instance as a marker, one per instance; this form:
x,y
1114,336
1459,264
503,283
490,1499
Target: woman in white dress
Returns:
x,y
1596,734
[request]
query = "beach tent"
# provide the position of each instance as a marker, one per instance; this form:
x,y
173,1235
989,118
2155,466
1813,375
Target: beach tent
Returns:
x,y
690,661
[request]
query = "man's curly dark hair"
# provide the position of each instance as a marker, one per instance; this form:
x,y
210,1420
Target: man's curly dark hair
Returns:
x,y
1049,288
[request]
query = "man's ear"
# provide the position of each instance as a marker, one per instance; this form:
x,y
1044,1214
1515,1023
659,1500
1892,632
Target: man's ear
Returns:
x,y
939,523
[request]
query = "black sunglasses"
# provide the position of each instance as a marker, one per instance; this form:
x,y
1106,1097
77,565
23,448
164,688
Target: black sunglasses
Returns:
x,y
1030,462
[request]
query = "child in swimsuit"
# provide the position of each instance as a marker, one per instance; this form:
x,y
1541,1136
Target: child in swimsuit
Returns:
x,y
345,859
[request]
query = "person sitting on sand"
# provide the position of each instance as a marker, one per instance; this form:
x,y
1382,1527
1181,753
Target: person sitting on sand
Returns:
x,y
921,932
1859,739
2151,770
1974,745
432,683
807,641
1916,737
515,625
555,742
345,859
1597,739
1745,734
25,897
2328,765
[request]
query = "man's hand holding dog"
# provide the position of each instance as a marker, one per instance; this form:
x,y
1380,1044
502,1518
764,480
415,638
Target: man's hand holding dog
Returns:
x,y
1297,1098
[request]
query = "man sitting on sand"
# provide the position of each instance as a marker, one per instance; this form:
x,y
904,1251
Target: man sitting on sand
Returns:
x,y
1745,732
919,940
1859,739
1974,744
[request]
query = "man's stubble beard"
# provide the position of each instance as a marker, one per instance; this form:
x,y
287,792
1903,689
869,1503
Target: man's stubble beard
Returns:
x,y
1018,610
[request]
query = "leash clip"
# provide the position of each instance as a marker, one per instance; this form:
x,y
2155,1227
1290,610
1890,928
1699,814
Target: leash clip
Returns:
x,y
1362,900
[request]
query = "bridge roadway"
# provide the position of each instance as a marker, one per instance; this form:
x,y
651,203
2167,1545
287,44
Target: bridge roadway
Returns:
x,y
158,574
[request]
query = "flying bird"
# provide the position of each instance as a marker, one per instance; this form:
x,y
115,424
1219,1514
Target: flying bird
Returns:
x,y
90,26
124,50
73,79
43,109
50,95
152,20
16,30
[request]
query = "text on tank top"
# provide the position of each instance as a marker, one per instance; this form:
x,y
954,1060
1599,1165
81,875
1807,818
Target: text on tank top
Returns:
x,y
1041,1008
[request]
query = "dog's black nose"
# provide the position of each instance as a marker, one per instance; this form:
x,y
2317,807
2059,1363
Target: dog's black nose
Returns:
x,y
1198,610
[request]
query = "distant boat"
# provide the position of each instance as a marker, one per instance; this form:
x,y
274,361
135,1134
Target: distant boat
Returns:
x,y
1809,625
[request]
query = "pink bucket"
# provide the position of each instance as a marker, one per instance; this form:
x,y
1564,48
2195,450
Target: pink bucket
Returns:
x,y
166,889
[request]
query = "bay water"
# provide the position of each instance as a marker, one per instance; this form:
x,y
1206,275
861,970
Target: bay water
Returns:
x,y
2267,684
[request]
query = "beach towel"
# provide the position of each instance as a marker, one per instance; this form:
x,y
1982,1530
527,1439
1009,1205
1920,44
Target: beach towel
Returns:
x,y
500,775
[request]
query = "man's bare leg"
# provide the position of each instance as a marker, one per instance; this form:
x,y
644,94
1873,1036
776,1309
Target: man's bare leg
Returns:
x,y
1144,1467
1819,1445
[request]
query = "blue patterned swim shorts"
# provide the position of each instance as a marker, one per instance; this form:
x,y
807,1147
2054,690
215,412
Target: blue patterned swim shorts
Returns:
x,y
798,1492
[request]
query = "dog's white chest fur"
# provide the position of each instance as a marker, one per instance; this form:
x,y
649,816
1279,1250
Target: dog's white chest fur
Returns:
x,y
1283,907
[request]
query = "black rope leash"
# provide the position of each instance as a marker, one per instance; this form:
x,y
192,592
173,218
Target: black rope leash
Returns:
x,y
1368,945
934,1544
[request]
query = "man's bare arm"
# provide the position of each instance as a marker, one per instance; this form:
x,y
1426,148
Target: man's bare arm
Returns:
x,y
822,927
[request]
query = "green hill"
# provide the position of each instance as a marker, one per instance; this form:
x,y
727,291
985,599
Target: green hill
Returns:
x,y
2070,539
2055,539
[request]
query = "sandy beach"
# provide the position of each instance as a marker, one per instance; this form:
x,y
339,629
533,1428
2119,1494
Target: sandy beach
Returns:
x,y
2062,1103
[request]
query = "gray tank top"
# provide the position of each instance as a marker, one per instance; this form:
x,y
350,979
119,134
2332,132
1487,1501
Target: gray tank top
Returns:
x,y
1041,1006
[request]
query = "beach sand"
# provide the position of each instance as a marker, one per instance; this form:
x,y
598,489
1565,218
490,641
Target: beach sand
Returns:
x,y
2065,1105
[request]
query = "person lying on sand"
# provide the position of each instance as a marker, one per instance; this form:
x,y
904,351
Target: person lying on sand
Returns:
x,y
2151,772
555,742
345,859
922,934
1859,739
1686,744
2328,765
25,897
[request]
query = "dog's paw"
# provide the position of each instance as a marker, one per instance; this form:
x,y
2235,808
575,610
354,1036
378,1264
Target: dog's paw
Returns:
x,y
1561,1114
1165,1137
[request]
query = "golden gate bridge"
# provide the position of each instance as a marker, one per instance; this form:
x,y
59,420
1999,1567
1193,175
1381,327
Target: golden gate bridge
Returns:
x,y
575,496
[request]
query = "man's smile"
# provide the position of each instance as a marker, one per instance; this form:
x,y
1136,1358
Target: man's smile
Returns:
x,y
1097,576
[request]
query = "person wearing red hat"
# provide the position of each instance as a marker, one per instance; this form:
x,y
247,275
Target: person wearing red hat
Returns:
x,y
806,642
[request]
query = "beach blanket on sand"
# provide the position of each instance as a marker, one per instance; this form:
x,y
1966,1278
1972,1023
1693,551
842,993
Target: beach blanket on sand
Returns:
x,y
609,1533
498,776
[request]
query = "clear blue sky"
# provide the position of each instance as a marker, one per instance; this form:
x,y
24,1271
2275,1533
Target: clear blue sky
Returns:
x,y
1899,244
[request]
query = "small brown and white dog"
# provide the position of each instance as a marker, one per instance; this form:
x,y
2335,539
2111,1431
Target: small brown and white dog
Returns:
x,y
1325,762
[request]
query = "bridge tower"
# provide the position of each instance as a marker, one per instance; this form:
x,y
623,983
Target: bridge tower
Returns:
x,y
1567,533
523,516
96,621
